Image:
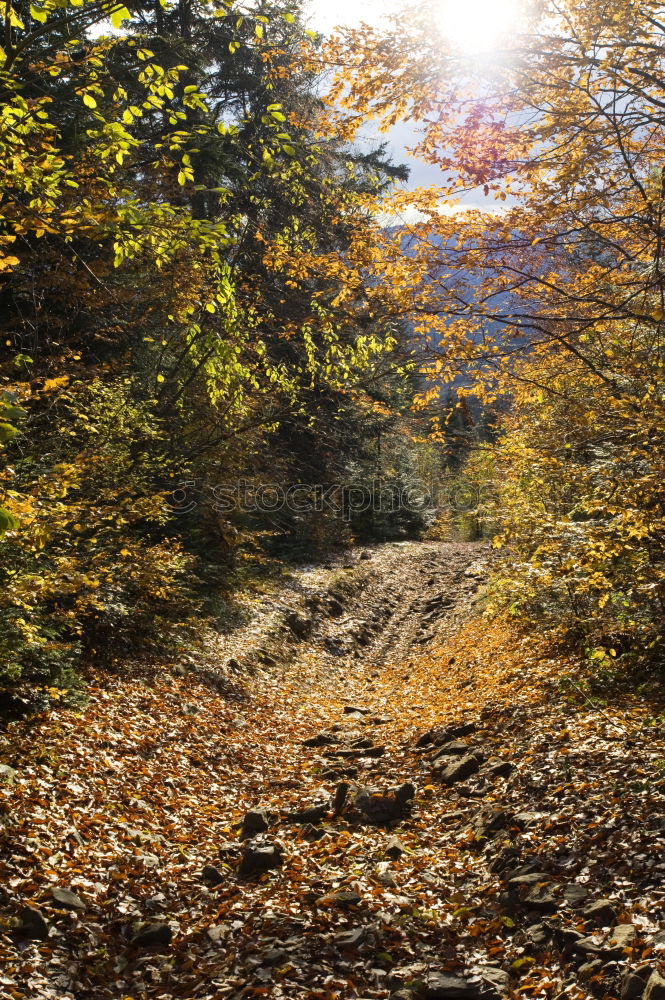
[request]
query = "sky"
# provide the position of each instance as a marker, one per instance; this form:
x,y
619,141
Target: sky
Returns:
x,y
475,26
326,15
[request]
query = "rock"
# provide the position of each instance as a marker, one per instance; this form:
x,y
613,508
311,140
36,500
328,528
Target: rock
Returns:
x,y
504,859
456,748
153,934
622,937
384,806
335,608
8,774
352,938
632,986
588,946
67,899
344,754
539,934
565,938
425,739
312,833
341,898
274,956
312,814
334,646
394,848
320,740
540,898
228,849
575,894
496,980
355,710
405,792
33,925
602,912
299,625
374,752
455,732
191,709
365,555
488,821
525,819
499,768
255,821
655,989
341,793
212,876
256,860
529,880
440,986
589,969
633,983
458,770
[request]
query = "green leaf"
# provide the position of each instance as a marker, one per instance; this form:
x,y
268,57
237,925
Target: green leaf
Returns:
x,y
7,432
13,412
7,521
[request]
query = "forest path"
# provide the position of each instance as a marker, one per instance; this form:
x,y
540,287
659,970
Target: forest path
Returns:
x,y
168,841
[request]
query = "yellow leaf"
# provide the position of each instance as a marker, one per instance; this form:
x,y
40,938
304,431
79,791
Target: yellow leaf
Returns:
x,y
119,15
89,101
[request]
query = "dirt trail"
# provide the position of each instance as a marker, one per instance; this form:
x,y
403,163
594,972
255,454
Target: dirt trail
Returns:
x,y
378,809
376,604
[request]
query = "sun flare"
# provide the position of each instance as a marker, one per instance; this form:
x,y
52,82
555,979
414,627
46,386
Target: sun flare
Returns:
x,y
478,26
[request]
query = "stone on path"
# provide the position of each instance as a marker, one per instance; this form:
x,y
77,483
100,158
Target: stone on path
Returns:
x,y
655,987
152,935
601,911
394,848
459,770
443,986
311,814
212,876
67,899
255,821
33,925
256,860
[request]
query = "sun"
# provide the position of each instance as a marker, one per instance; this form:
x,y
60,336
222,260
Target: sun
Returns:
x,y
479,26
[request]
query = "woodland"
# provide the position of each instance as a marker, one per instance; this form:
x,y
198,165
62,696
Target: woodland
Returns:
x,y
332,505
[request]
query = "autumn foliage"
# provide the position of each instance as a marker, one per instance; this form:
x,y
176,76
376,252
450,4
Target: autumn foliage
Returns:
x,y
204,281
534,272
180,304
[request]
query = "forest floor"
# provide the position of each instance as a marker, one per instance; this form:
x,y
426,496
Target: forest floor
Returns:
x,y
364,790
